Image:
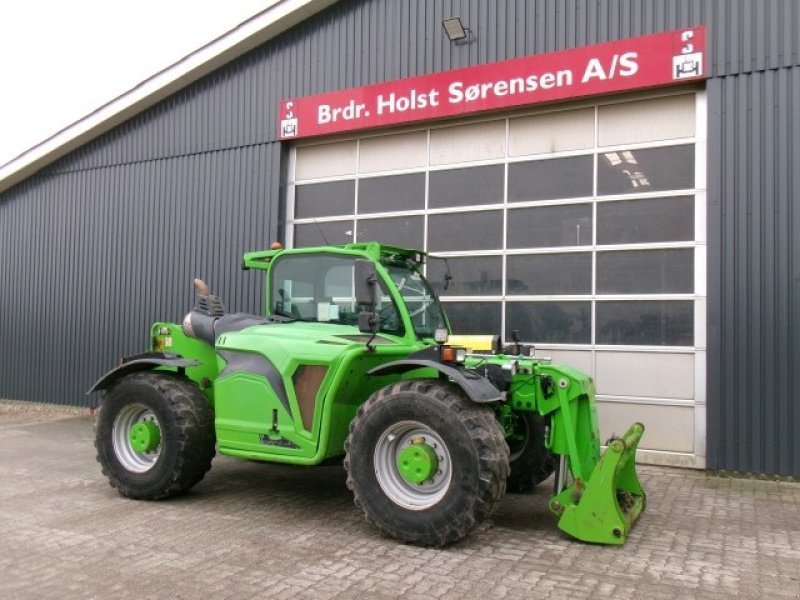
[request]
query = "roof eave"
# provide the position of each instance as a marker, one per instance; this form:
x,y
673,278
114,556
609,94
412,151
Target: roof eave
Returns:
x,y
274,20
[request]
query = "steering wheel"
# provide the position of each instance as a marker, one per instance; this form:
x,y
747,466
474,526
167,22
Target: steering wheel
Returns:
x,y
403,284
426,301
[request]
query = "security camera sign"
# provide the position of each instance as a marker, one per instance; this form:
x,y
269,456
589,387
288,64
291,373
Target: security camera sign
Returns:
x,y
636,63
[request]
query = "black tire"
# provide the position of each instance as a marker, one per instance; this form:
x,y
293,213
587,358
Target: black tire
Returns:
x,y
531,462
186,426
475,465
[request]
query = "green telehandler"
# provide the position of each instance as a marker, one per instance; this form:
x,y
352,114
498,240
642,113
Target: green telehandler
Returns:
x,y
353,357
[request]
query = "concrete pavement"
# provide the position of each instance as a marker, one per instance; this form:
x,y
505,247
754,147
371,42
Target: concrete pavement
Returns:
x,y
252,530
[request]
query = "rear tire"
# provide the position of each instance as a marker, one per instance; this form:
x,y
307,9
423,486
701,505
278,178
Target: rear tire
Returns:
x,y
471,469
531,462
182,448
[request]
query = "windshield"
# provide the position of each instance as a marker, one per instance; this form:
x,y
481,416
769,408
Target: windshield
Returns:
x,y
423,306
320,288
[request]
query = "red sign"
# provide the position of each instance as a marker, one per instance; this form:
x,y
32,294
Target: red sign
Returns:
x,y
632,64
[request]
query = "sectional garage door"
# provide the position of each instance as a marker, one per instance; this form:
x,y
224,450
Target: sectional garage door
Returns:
x,y
581,227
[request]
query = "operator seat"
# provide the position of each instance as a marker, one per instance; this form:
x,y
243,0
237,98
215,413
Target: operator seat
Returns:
x,y
208,320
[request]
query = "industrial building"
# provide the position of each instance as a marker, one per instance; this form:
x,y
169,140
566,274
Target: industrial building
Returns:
x,y
617,181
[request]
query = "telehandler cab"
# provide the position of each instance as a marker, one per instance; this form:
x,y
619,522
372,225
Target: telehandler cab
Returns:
x,y
353,358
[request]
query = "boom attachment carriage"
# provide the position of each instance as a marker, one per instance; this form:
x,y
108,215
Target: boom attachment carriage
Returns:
x,y
597,494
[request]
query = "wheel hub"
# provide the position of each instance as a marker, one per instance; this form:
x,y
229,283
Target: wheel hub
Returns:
x,y
137,436
144,436
413,465
417,462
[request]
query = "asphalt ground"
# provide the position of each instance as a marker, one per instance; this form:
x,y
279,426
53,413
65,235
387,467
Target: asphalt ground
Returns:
x,y
252,530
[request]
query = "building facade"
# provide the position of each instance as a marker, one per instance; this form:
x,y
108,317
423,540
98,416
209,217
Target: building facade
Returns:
x,y
643,235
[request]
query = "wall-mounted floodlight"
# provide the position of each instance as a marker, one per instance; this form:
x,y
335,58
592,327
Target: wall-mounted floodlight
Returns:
x,y
454,29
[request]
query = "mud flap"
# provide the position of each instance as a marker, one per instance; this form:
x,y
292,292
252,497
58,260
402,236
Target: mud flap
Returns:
x,y
603,509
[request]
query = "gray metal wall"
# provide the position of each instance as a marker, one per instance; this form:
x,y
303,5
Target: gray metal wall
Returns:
x,y
108,239
754,272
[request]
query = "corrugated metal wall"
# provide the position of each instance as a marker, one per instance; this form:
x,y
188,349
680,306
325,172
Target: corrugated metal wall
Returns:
x,y
108,238
91,257
754,272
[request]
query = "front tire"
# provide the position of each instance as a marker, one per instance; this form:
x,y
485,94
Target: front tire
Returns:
x,y
461,470
154,435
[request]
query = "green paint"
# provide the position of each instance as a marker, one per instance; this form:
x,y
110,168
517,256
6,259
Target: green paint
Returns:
x,y
256,421
145,436
417,462
603,509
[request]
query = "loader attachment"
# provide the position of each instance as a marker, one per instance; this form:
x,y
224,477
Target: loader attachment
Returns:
x,y
603,508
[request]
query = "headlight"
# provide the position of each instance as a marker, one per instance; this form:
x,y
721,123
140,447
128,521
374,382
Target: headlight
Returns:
x,y
453,355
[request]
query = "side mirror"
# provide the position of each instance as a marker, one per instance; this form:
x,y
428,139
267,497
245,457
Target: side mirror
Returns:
x,y
366,280
366,285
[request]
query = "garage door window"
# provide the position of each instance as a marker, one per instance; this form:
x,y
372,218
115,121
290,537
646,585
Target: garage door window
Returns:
x,y
574,227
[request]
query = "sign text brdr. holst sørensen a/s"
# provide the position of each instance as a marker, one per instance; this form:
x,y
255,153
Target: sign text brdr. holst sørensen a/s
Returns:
x,y
636,63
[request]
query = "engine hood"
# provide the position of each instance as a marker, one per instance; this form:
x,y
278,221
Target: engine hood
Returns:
x,y
320,341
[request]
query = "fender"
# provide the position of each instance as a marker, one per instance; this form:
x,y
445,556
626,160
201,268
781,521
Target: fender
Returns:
x,y
477,388
141,362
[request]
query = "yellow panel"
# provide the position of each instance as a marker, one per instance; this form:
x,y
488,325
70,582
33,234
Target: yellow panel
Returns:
x,y
476,343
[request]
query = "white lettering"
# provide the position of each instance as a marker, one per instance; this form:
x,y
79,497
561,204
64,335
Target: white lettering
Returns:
x,y
517,85
323,114
414,100
623,65
547,81
385,104
628,64
457,93
593,69
330,114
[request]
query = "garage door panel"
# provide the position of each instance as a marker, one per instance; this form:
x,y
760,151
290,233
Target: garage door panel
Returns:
x,y
578,359
462,143
390,152
642,374
669,428
647,120
549,133
326,160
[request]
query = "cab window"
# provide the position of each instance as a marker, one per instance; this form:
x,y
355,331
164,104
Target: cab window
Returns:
x,y
320,288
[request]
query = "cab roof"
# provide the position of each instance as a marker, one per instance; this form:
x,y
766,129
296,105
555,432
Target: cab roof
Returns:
x,y
260,259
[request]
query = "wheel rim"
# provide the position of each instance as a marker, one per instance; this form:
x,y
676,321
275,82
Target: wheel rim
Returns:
x,y
414,496
129,419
